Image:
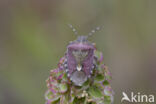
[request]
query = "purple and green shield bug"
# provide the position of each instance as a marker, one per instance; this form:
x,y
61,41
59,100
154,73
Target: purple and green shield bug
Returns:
x,y
81,77
79,58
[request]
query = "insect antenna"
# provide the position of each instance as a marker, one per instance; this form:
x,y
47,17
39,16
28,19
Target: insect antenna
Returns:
x,y
94,30
73,29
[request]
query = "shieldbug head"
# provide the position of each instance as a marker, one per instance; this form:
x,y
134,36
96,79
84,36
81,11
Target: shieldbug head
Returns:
x,y
79,58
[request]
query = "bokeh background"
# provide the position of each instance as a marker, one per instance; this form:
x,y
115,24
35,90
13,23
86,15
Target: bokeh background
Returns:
x,y
34,35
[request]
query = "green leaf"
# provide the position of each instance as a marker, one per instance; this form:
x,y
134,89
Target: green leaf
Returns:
x,y
105,83
65,77
86,83
107,100
98,54
79,100
53,97
63,87
99,57
99,77
49,95
56,101
92,103
95,92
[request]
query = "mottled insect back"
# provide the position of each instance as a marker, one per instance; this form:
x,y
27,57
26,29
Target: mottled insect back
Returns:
x,y
80,57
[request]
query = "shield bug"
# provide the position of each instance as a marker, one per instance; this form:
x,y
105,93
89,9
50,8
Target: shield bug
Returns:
x,y
79,60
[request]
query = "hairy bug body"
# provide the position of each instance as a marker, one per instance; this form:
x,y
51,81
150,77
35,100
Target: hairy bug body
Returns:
x,y
80,56
79,59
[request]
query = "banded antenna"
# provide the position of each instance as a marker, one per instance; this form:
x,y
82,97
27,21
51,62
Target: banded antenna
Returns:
x,y
73,29
94,30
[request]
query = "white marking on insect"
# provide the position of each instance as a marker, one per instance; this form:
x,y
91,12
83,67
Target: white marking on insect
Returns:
x,y
71,79
93,67
67,70
65,60
79,67
93,31
68,75
80,84
65,65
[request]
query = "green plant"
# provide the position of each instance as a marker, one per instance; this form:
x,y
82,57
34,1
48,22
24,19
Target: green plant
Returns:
x,y
96,90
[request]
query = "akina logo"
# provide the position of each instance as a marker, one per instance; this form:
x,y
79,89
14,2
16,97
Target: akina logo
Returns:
x,y
140,98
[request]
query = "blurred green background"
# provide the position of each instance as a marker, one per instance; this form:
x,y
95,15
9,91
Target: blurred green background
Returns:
x,y
34,35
